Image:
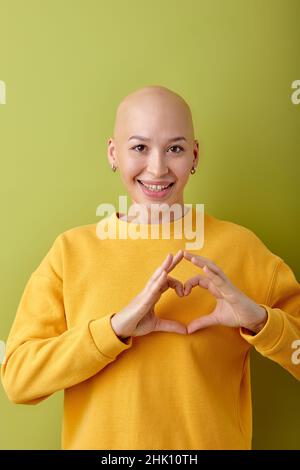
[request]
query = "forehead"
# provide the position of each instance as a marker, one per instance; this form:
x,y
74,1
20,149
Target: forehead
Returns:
x,y
149,116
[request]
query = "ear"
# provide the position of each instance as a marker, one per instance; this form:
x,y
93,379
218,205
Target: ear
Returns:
x,y
111,152
196,153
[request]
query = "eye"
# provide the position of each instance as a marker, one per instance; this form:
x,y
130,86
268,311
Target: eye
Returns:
x,y
140,145
173,146
177,146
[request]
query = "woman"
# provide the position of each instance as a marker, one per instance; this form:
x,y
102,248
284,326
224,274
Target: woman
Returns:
x,y
148,360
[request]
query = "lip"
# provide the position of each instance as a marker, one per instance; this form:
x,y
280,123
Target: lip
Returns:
x,y
162,183
156,194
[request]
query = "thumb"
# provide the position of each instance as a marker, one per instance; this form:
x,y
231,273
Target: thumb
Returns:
x,y
202,322
170,326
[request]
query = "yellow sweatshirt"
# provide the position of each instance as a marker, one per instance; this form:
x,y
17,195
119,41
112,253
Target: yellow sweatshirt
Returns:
x,y
159,391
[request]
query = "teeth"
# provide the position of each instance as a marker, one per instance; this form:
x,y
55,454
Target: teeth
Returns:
x,y
154,187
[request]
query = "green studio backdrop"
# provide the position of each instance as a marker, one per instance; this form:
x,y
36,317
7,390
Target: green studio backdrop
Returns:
x,y
66,64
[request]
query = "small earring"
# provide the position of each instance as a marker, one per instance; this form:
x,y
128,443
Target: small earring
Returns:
x,y
113,167
192,171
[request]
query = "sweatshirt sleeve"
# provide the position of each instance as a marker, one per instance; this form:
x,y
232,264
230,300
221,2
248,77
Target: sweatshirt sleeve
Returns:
x,y
279,339
42,354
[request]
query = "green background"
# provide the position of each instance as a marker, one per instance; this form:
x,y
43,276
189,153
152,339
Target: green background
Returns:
x,y
66,65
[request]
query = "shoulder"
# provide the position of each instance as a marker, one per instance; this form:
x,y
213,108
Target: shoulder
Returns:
x,y
68,246
78,233
71,239
240,240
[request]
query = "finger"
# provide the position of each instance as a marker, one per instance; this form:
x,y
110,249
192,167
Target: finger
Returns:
x,y
160,281
204,282
201,262
225,287
170,326
218,281
164,266
154,287
177,258
169,263
197,280
175,284
202,322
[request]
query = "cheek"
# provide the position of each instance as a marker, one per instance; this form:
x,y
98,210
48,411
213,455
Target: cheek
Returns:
x,y
181,170
131,168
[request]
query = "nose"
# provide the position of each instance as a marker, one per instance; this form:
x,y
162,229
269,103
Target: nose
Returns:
x,y
157,164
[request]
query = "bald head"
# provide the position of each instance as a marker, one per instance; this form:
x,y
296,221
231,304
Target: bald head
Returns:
x,y
156,110
153,141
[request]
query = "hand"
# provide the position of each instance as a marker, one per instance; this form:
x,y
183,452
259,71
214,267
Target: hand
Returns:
x,y
233,307
138,318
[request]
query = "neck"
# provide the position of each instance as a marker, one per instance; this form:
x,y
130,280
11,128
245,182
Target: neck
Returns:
x,y
160,216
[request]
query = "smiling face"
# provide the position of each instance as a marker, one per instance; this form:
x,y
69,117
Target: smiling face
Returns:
x,y
153,146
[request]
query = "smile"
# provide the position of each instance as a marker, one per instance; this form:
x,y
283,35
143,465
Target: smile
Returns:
x,y
156,190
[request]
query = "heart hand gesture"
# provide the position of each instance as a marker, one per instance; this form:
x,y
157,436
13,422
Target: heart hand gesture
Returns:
x,y
138,318
233,309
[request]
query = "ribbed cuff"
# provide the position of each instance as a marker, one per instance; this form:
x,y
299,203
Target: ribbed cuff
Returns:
x,y
271,332
105,338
